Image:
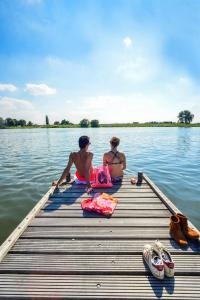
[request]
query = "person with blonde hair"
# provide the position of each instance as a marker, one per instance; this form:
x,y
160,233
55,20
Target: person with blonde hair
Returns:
x,y
115,160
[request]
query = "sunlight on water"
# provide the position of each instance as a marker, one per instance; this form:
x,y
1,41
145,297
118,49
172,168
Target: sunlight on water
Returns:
x,y
30,159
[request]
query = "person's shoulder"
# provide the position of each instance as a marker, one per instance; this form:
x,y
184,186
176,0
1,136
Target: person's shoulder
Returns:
x,y
73,154
107,153
89,155
122,154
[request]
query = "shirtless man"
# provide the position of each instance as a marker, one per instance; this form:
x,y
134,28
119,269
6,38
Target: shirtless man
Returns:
x,y
83,163
115,160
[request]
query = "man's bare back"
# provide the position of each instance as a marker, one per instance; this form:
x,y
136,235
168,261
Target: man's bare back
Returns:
x,y
82,160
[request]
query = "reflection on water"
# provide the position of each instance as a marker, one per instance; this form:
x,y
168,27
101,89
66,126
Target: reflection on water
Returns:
x,y
30,159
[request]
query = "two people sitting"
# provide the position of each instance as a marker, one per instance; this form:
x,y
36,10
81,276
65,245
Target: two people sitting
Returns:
x,y
115,160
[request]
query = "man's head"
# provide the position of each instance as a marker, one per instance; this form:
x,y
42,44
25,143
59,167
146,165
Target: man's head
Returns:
x,y
114,141
84,141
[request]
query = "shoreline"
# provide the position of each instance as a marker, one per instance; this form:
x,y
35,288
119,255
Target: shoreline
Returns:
x,y
123,125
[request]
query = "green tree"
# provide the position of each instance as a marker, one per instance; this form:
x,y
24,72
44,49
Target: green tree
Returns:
x,y
94,123
15,121
56,123
185,116
47,120
29,123
21,122
84,123
65,122
9,122
2,123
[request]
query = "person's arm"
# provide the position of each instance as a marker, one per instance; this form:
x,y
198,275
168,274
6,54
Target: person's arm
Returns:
x,y
124,161
88,166
104,160
66,171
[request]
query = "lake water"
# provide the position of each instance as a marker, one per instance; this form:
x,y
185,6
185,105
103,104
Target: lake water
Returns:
x,y
30,159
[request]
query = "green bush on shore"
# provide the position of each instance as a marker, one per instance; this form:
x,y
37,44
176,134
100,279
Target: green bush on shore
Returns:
x,y
9,123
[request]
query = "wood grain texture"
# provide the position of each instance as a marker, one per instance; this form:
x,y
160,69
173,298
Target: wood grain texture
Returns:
x,y
99,287
95,264
93,233
124,194
121,205
128,213
121,199
97,222
117,246
65,253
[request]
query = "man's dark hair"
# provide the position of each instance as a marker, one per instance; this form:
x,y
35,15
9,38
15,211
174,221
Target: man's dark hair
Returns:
x,y
84,140
115,141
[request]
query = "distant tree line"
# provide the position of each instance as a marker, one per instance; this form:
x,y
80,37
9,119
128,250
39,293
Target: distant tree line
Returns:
x,y
63,122
184,117
85,123
10,122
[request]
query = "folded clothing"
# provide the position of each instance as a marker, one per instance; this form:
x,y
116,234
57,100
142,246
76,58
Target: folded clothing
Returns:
x,y
101,203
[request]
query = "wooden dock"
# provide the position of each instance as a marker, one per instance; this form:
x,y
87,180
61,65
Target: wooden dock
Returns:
x,y
60,252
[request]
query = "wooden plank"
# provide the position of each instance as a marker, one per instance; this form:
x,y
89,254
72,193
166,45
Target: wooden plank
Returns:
x,y
105,190
95,264
116,246
73,200
93,233
125,184
9,242
143,222
96,257
118,195
169,204
128,213
129,188
98,287
128,185
64,205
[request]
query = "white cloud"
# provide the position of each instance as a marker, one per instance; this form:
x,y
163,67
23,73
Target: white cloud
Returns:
x,y
15,103
7,87
39,89
119,83
19,109
127,41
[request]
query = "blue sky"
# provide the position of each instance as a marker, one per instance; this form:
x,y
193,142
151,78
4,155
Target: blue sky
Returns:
x,y
117,61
